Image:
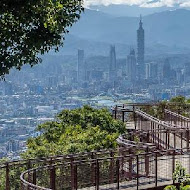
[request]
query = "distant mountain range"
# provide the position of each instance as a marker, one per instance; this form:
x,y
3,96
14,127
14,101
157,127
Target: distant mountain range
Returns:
x,y
127,10
165,32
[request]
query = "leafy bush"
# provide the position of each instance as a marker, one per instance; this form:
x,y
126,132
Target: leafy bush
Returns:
x,y
78,130
179,174
187,187
170,187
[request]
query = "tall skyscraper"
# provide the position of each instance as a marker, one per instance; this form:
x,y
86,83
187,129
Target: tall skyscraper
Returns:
x,y
131,66
140,50
112,65
81,70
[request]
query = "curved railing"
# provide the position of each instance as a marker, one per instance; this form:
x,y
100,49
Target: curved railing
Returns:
x,y
146,164
126,167
10,171
145,170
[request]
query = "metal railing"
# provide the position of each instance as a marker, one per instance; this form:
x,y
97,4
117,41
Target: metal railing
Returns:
x,y
148,162
140,171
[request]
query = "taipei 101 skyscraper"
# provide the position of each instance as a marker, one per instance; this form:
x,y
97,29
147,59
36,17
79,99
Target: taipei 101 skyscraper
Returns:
x,y
140,50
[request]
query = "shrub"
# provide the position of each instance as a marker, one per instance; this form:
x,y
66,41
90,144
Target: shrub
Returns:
x,y
170,187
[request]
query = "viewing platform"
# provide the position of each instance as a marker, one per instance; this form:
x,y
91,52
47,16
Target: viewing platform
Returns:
x,y
145,159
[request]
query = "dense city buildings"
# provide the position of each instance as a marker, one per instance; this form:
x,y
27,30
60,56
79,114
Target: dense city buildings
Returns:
x,y
32,96
152,71
81,69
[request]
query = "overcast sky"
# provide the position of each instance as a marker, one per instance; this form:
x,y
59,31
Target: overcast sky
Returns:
x,y
142,3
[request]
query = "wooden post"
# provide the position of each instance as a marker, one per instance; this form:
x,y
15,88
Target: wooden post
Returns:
x,y
137,172
173,163
111,168
72,174
75,177
34,177
117,172
97,175
52,177
134,117
147,164
7,177
156,170
116,112
123,116
92,170
187,137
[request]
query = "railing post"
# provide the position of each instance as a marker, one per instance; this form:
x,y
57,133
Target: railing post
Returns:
x,y
34,177
7,177
130,167
52,177
147,163
173,163
97,175
148,136
29,166
92,170
117,172
169,138
187,137
111,167
113,112
156,170
123,116
166,139
174,139
116,112
181,135
134,117
137,172
75,177
72,174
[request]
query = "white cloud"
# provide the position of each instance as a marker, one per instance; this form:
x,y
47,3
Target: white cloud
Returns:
x,y
185,4
108,2
142,3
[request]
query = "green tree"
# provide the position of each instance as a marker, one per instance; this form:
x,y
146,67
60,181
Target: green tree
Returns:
x,y
78,130
33,27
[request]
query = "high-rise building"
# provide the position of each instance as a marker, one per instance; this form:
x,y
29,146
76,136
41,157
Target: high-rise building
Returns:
x,y
52,81
131,66
140,50
152,71
112,65
167,69
81,70
187,72
169,74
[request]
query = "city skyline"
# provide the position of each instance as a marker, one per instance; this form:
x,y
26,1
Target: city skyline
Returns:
x,y
92,96
100,70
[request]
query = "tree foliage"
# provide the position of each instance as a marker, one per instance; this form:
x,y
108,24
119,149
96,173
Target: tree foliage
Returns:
x,y
78,130
33,27
179,174
170,187
178,104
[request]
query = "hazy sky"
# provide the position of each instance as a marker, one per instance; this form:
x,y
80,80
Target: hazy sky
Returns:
x,y
142,3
